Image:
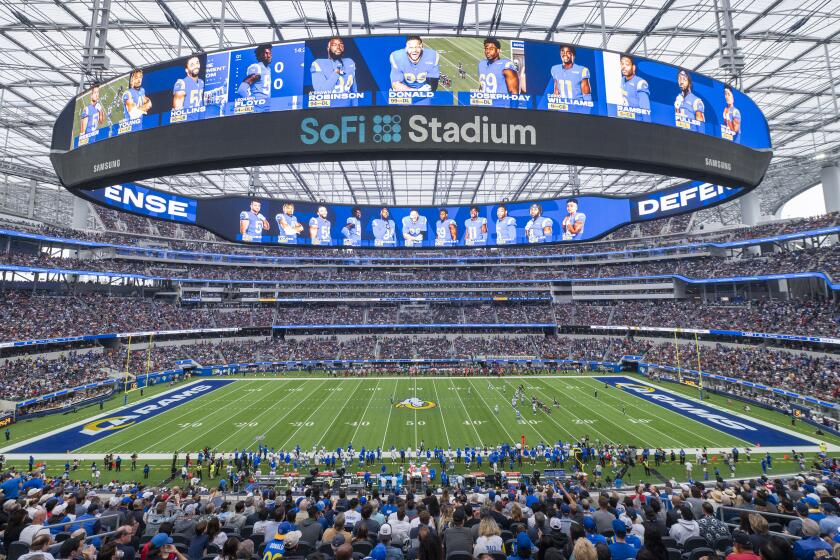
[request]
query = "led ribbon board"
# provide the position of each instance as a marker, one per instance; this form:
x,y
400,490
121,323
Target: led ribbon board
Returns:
x,y
290,222
410,97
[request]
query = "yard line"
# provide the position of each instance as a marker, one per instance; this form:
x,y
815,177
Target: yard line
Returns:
x,y
440,409
316,409
219,444
289,412
245,395
390,410
467,413
499,422
358,386
650,410
359,422
221,395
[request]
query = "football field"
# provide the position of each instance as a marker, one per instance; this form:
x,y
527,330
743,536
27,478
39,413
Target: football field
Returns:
x,y
401,412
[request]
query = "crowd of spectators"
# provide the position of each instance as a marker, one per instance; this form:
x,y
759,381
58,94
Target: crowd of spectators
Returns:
x,y
28,377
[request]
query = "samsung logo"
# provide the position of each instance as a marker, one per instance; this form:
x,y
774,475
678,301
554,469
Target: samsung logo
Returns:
x,y
104,166
719,164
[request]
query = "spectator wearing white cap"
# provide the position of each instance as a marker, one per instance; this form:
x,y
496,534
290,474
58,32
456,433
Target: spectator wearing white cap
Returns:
x,y
385,536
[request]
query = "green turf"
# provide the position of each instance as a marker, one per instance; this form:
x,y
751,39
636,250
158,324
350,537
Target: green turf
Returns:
x,y
333,412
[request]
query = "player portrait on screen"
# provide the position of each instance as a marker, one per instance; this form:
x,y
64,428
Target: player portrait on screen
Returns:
x,y
475,228
252,224
570,80
352,230
334,73
384,229
415,67
135,102
92,115
539,228
687,106
505,226
731,128
319,228
572,226
446,231
188,92
414,229
288,227
256,87
497,74
635,92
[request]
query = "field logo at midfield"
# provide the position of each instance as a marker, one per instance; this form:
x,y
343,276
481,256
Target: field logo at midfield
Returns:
x,y
635,387
109,424
415,404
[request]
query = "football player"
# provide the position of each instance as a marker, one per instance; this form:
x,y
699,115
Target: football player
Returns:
x,y
188,92
384,229
572,226
476,228
414,228
505,227
446,231
571,81
539,228
634,90
687,105
319,228
92,114
334,73
135,102
415,68
731,115
352,230
494,71
252,224
257,82
287,224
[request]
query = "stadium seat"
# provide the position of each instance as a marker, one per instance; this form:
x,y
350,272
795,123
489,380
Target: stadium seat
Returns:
x,y
179,538
458,555
16,550
698,553
326,548
722,544
670,542
693,542
674,554
362,547
247,530
183,548
304,549
213,549
506,535
258,539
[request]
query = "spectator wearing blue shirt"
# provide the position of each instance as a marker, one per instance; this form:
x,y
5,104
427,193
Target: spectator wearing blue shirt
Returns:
x,y
592,531
620,550
811,546
523,547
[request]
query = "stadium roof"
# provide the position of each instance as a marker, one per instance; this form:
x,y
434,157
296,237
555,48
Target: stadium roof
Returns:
x,y
791,51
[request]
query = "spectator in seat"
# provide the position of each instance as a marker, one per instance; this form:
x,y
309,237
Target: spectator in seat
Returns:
x,y
385,535
39,548
811,546
620,550
686,527
584,550
742,547
489,537
457,538
653,547
711,528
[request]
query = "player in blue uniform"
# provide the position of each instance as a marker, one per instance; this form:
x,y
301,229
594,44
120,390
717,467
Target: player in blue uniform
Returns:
x,y
319,228
687,105
475,228
505,227
571,81
288,227
415,68
257,83
634,90
384,229
731,117
414,228
494,71
446,231
92,115
352,230
572,226
539,228
334,73
252,224
135,102
188,92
